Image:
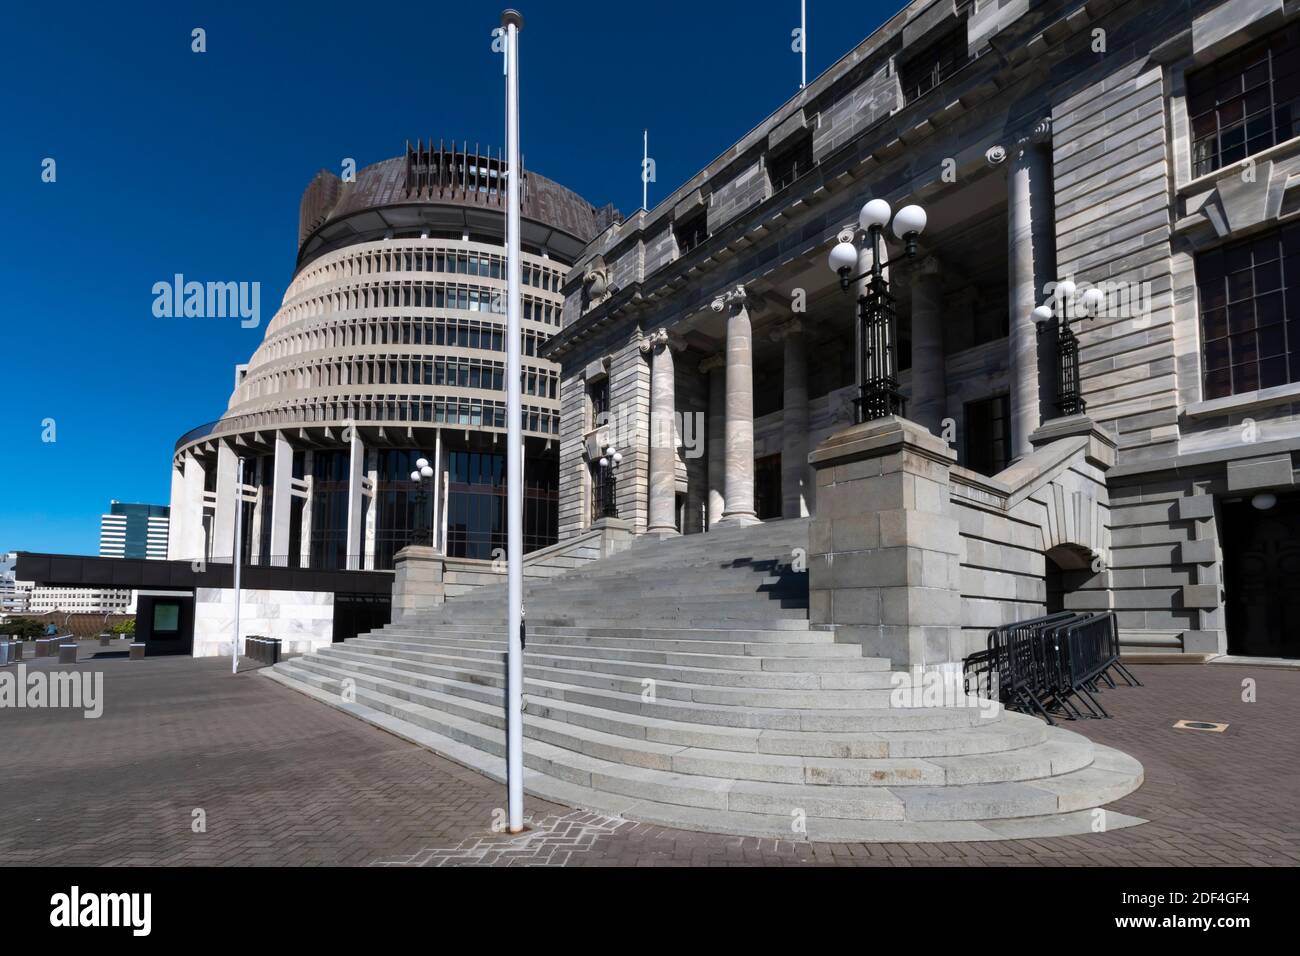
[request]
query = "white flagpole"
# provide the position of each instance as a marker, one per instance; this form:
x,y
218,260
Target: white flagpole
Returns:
x,y
238,559
645,156
513,23
803,43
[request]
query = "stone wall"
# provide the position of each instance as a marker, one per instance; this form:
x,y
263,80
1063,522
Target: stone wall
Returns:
x,y
302,620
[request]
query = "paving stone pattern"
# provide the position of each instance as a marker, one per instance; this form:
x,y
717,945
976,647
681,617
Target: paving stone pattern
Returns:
x,y
287,782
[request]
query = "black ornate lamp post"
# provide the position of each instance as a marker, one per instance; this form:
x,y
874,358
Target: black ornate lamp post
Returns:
x,y
878,391
423,477
609,463
1069,389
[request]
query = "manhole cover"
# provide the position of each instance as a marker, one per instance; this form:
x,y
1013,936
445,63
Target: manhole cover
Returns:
x,y
1200,725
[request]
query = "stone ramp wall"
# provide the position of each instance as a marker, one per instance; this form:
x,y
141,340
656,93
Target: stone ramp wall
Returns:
x,y
916,559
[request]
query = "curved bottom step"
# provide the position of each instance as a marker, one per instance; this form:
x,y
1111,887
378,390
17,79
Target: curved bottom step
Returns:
x,y
1112,775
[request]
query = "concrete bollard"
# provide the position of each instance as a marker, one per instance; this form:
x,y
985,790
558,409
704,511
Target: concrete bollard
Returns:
x,y
5,653
67,653
42,647
104,638
16,651
137,651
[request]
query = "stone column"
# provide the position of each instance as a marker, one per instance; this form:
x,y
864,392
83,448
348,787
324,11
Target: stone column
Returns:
x,y
304,527
795,485
661,504
194,543
178,513
353,555
1031,264
929,389
740,407
715,367
281,501
223,519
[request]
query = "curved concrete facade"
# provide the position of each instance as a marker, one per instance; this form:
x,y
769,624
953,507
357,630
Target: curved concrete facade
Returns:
x,y
389,345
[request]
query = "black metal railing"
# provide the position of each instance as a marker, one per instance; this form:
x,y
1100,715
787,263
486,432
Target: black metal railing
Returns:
x,y
1050,665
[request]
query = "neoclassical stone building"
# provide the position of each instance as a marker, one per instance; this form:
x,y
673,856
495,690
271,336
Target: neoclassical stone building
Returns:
x,y
1149,151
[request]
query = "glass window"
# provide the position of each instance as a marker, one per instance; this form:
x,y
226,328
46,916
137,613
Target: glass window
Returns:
x,y
1248,294
988,434
1245,102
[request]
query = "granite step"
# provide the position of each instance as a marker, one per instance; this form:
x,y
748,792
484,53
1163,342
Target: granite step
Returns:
x,y
541,662
681,795
1063,753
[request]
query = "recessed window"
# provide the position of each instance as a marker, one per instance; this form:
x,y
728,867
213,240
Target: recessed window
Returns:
x,y
922,72
692,231
791,162
988,434
1249,299
599,391
1245,102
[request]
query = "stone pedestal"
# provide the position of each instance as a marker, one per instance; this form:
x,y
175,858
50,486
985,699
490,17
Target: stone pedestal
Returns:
x,y
885,545
1101,448
615,535
418,572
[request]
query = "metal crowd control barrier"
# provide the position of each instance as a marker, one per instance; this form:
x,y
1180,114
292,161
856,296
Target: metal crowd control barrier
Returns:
x,y
1049,664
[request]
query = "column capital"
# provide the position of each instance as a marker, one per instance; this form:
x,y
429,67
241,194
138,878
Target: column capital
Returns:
x,y
661,337
735,299
1040,134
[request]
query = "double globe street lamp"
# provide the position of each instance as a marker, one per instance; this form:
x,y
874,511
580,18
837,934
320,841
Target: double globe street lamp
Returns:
x,y
1069,390
878,390
423,477
609,463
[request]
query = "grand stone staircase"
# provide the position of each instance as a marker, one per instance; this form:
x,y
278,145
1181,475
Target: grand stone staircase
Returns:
x,y
679,683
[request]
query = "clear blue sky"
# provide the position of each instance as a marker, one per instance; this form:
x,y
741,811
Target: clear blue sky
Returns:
x,y
170,161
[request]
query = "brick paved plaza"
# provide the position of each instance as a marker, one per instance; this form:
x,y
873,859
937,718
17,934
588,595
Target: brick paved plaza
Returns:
x,y
285,781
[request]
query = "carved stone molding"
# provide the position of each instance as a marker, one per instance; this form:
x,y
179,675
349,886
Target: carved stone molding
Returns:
x,y
596,286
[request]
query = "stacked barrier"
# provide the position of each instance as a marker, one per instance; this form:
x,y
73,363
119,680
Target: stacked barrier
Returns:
x,y
264,650
1050,664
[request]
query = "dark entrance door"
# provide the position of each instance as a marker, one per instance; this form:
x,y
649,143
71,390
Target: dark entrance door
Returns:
x,y
1261,555
358,613
767,486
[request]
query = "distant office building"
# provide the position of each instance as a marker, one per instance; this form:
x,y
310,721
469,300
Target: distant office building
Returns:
x,y
134,531
13,593
45,600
